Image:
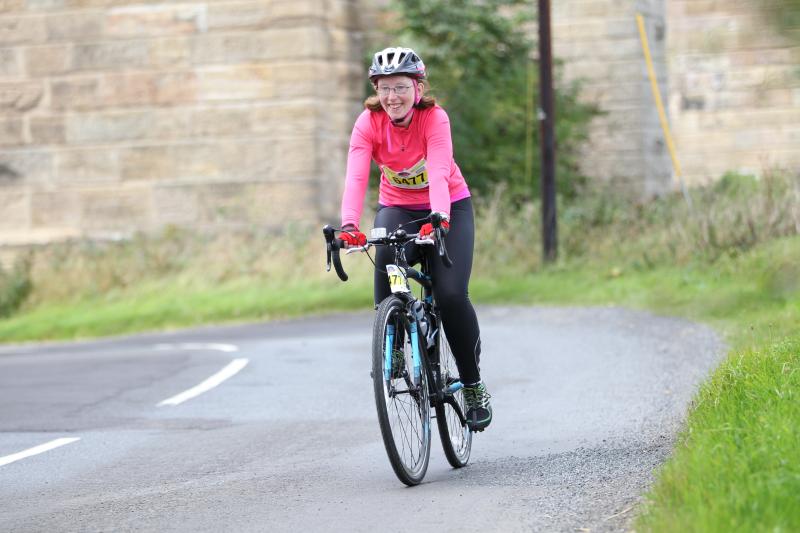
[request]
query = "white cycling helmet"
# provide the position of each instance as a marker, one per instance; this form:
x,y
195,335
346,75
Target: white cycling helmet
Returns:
x,y
396,60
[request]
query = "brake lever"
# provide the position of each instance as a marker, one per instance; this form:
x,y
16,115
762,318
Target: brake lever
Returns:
x,y
328,257
332,252
441,249
356,249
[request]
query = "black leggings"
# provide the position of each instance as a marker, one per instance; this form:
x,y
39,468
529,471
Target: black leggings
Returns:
x,y
450,284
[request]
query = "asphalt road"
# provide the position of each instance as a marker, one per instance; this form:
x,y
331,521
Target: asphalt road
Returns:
x,y
587,404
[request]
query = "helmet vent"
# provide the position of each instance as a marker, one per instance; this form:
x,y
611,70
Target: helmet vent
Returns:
x,y
393,60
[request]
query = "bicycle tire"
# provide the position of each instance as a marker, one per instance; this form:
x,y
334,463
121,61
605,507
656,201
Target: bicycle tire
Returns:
x,y
404,409
456,437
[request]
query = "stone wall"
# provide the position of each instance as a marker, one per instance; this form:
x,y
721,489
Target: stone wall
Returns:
x,y
598,41
731,84
734,89
118,116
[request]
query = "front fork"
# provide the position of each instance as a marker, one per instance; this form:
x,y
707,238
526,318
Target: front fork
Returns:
x,y
416,356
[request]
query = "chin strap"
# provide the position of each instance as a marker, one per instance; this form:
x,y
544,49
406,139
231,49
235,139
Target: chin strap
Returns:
x,y
401,120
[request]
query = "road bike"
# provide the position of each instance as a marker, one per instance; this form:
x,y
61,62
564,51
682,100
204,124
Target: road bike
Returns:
x,y
413,368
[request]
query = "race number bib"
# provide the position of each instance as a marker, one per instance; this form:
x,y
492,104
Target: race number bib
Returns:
x,y
397,279
415,177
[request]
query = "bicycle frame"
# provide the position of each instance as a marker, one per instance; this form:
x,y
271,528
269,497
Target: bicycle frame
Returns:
x,y
403,272
399,273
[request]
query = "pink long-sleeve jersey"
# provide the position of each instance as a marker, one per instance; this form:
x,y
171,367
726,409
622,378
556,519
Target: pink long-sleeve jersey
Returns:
x,y
417,166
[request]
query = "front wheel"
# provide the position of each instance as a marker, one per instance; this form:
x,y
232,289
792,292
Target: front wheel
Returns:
x,y
450,413
401,392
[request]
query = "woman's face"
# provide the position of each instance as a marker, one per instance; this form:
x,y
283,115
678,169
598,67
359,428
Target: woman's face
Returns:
x,y
396,94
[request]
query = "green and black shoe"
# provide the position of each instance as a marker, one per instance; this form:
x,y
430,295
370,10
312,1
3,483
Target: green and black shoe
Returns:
x,y
479,410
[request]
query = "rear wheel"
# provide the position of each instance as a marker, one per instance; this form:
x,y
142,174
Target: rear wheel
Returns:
x,y
401,394
455,434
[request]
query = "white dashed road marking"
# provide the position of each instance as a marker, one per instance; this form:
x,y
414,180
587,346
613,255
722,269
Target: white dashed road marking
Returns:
x,y
198,346
229,371
36,450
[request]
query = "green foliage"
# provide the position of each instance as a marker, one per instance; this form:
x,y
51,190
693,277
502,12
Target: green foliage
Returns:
x,y
736,184
784,16
15,286
478,54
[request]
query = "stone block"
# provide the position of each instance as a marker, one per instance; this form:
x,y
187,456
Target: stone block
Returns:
x,y
285,118
290,200
237,82
176,204
227,48
151,163
260,203
297,43
578,30
223,121
75,26
176,88
24,29
108,127
292,13
294,9
348,15
9,63
170,52
48,60
43,5
306,79
626,28
14,208
55,208
20,97
156,19
616,71
128,89
272,44
151,124
111,55
86,165
47,130
233,159
25,167
76,93
239,15
254,160
293,157
10,6
115,209
223,203
11,132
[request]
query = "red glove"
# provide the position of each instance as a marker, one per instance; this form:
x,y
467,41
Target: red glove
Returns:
x,y
426,231
350,236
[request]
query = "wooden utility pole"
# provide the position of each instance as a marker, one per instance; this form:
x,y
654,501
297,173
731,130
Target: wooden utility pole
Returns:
x,y
547,128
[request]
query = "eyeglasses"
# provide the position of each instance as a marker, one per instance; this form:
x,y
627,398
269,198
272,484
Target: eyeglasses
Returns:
x,y
399,90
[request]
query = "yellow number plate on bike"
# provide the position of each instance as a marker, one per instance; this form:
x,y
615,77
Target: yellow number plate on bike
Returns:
x,y
397,279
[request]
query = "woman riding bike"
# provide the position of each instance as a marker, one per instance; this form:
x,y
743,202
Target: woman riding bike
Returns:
x,y
409,138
